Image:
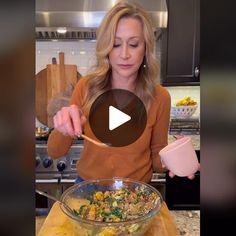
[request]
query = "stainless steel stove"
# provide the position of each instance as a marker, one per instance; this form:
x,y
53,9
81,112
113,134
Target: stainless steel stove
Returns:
x,y
62,168
54,176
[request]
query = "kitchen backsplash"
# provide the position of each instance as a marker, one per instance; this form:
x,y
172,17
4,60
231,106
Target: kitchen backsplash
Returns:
x,y
82,54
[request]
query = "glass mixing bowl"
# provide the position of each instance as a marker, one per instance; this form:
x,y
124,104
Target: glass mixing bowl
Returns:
x,y
77,194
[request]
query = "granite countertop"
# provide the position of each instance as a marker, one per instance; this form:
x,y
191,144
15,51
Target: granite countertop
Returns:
x,y
187,222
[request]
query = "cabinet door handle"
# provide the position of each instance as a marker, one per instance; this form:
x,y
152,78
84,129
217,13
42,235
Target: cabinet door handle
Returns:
x,y
196,71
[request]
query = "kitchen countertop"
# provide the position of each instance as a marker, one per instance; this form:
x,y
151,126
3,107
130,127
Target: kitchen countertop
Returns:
x,y
187,222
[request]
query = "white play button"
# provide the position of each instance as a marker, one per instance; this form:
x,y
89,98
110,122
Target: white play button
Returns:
x,y
117,118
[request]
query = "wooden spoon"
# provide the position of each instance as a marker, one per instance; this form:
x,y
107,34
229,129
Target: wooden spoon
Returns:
x,y
94,141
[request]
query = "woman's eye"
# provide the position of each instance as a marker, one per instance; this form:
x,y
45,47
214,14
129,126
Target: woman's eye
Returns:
x,y
133,45
116,45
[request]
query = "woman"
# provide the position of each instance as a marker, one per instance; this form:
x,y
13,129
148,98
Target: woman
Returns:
x,y
125,60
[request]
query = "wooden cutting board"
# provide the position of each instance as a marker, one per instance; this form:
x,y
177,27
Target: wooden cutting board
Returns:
x,y
58,224
49,83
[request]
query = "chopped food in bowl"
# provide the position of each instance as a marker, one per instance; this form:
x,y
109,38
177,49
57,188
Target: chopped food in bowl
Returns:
x,y
117,206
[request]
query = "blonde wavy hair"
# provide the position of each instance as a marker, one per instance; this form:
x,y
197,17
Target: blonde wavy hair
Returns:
x,y
99,80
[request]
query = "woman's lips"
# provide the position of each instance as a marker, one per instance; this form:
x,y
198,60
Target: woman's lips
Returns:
x,y
125,66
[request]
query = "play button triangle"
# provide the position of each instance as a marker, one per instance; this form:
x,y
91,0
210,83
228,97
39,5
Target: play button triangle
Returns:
x,y
117,118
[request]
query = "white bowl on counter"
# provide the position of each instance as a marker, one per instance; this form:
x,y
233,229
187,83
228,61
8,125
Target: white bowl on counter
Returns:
x,y
183,112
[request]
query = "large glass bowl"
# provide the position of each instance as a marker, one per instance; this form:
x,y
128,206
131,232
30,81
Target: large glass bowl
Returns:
x,y
81,191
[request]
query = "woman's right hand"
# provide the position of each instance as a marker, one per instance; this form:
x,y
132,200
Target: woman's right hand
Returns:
x,y
69,121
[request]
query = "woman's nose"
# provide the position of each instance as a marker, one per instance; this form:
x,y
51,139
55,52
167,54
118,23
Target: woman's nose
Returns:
x,y
125,52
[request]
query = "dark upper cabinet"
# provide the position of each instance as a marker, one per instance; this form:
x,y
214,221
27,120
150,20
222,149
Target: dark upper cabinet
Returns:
x,y
182,44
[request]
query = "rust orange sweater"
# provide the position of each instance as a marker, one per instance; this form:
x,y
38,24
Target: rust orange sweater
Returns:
x,y
136,161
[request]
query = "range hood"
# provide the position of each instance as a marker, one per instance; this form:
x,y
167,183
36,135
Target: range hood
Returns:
x,y
82,17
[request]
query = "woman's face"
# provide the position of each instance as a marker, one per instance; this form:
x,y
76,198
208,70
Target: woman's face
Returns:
x,y
129,48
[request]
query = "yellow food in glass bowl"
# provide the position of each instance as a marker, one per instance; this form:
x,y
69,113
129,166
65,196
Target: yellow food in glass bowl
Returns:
x,y
108,207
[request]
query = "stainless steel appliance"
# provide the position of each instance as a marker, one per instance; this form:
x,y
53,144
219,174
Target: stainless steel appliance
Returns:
x,y
54,176
80,18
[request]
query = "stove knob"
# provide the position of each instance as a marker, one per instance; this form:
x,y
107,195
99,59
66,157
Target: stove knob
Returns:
x,y
47,162
61,165
37,160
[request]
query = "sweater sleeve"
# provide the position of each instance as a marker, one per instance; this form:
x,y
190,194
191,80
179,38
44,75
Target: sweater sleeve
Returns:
x,y
159,137
59,144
